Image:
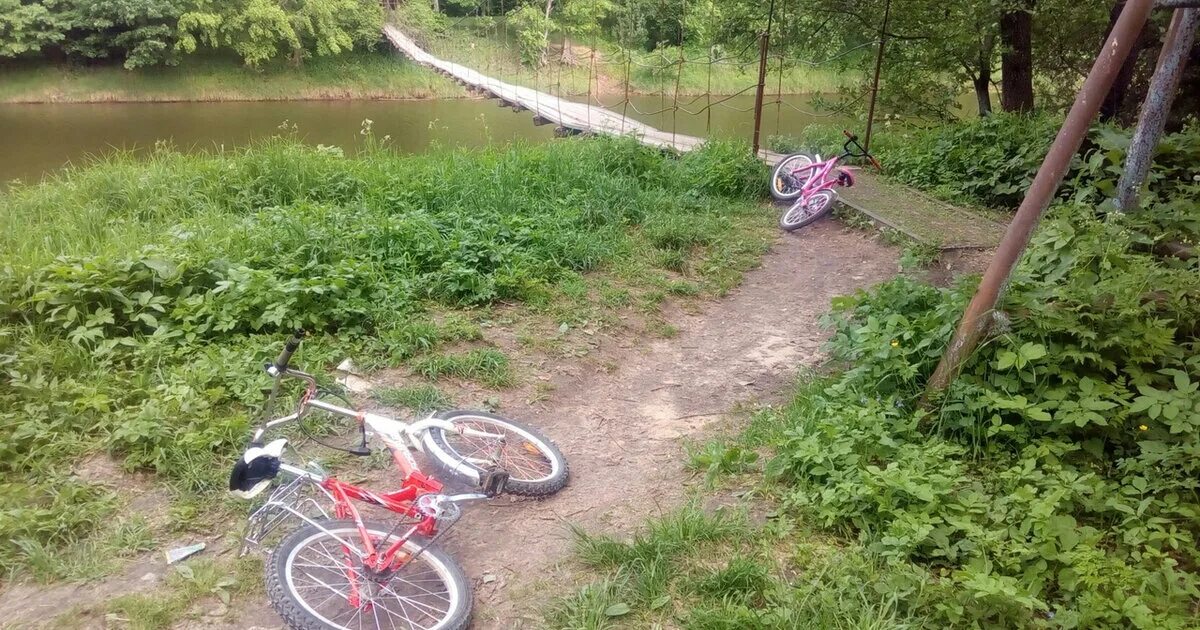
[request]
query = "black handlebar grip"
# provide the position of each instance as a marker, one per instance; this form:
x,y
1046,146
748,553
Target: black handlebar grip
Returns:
x,y
281,362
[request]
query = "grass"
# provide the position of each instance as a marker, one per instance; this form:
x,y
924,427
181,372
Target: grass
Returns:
x,y
418,398
191,589
138,298
358,75
701,570
486,365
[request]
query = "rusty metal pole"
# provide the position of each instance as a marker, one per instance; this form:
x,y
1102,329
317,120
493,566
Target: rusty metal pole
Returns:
x,y
887,13
764,46
1049,176
1153,117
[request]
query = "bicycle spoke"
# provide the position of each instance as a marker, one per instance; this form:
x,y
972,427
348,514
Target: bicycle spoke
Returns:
x,y
514,456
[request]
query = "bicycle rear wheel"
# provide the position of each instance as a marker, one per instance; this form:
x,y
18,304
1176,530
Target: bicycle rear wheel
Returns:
x,y
790,175
535,466
315,582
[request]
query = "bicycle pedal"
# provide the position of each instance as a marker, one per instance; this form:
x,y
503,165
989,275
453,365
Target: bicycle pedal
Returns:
x,y
493,482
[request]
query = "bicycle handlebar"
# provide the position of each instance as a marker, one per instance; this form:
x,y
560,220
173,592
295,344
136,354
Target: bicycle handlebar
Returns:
x,y
281,362
853,139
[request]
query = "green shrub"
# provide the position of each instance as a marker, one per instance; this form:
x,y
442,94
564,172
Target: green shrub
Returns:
x,y
1055,480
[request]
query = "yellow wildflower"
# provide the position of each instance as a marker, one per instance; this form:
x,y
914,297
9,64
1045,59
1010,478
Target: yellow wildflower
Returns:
x,y
1142,427
895,343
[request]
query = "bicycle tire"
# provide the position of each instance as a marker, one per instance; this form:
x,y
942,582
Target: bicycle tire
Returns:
x,y
298,614
777,175
448,458
810,214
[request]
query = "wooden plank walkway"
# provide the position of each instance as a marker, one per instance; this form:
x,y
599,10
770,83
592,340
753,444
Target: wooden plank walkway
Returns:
x,y
546,107
919,216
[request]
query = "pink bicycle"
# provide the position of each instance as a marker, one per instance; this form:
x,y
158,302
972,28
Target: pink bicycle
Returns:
x,y
808,181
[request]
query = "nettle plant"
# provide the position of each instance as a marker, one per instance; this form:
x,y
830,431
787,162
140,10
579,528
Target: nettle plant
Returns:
x,y
1056,482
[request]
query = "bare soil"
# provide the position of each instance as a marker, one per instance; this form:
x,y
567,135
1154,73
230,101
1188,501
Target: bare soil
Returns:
x,y
621,414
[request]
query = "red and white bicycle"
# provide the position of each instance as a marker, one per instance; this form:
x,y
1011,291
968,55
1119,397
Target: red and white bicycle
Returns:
x,y
337,570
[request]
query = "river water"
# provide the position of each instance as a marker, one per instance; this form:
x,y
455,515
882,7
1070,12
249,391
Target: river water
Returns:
x,y
39,139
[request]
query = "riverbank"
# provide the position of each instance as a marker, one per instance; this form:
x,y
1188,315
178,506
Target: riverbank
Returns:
x,y
360,76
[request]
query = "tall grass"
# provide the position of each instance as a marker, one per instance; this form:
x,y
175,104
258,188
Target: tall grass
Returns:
x,y
361,75
715,571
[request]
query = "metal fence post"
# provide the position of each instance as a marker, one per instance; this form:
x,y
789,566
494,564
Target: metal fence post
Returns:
x,y
887,13
764,45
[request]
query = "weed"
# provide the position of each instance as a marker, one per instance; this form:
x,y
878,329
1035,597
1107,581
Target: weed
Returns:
x,y
418,398
719,458
919,256
667,577
742,580
487,366
146,612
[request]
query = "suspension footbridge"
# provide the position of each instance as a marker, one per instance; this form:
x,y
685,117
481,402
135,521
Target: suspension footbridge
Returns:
x,y
891,205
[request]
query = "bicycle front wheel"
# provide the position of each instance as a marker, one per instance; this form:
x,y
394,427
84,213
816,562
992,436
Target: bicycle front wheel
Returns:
x,y
315,582
535,466
807,210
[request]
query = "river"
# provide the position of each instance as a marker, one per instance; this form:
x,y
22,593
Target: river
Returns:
x,y
36,140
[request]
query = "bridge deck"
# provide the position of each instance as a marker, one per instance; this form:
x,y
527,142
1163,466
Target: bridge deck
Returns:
x,y
892,205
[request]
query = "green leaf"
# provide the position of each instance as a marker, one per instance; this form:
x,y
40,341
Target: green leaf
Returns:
x,y
659,602
617,610
164,269
1006,360
1032,351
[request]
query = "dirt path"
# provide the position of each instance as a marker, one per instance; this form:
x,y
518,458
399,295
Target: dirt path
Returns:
x,y
622,429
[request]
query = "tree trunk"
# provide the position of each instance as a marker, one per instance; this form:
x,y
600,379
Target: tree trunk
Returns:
x,y
546,34
983,78
982,96
297,57
1117,105
1016,60
437,6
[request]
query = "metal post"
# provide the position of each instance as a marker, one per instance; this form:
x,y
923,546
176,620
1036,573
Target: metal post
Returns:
x,y
625,102
1153,117
887,13
764,46
1041,191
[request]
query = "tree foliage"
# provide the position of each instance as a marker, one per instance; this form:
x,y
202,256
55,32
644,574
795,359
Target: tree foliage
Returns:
x,y
142,33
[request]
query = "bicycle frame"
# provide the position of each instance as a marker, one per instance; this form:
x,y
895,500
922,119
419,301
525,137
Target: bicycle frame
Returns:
x,y
419,496
820,179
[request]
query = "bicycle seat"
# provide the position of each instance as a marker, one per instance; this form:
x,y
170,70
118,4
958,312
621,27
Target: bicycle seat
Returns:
x,y
256,468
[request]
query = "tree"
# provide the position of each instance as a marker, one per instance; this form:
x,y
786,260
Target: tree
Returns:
x,y
1016,57
26,27
140,32
262,30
